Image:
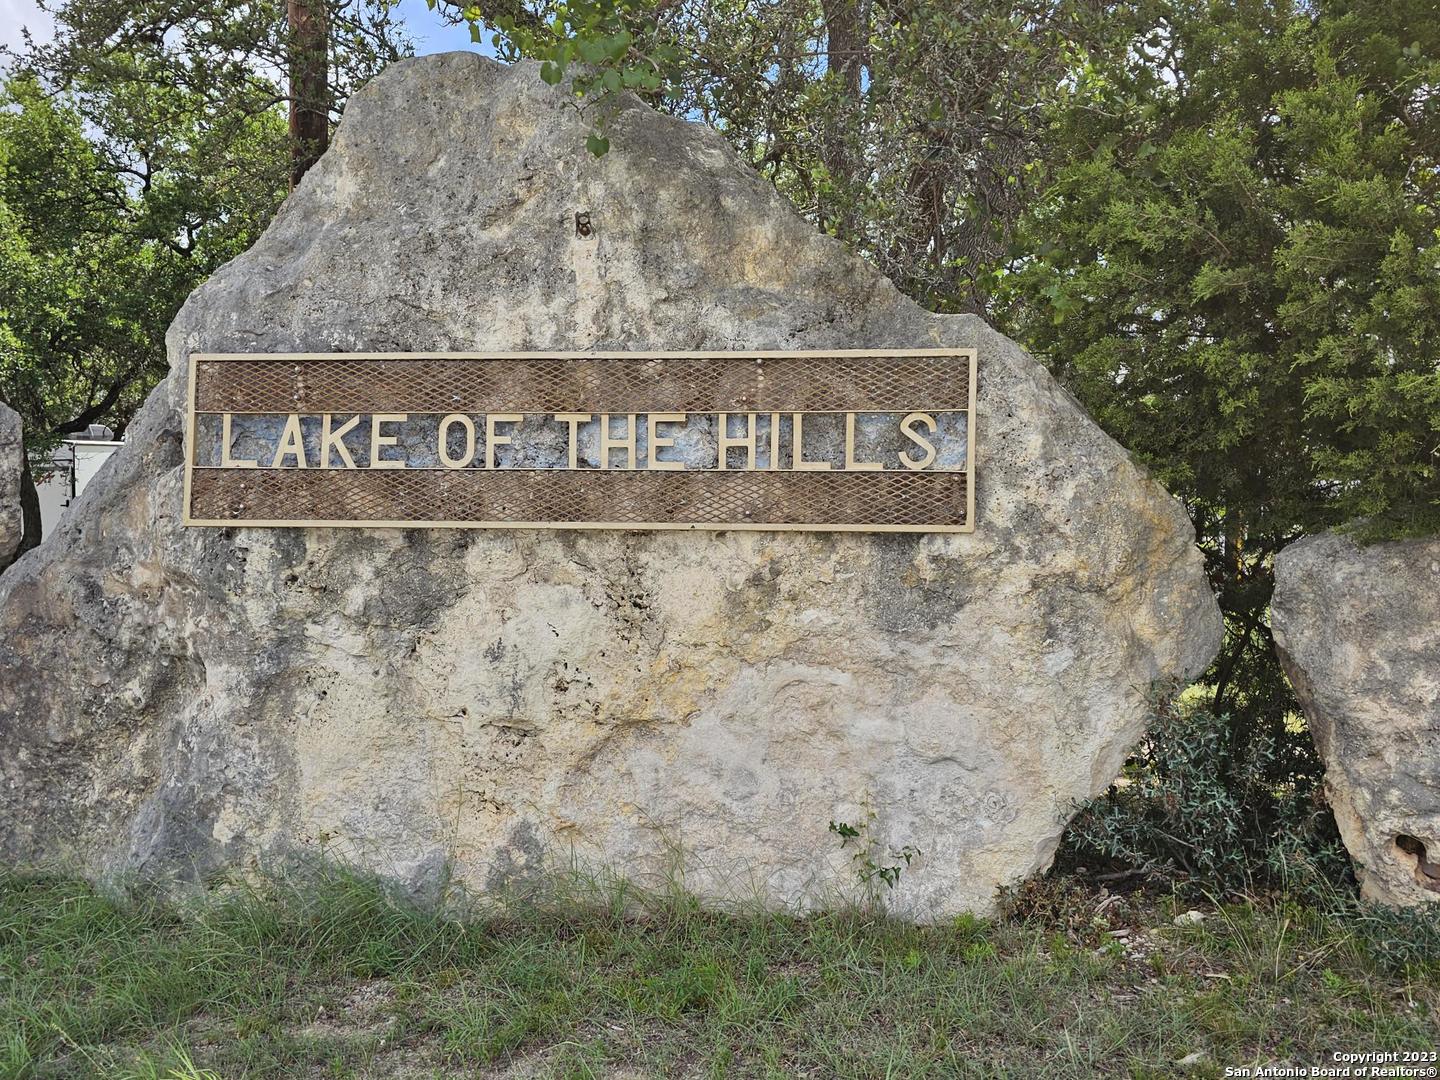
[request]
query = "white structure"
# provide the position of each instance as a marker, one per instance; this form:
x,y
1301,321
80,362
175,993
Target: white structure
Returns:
x,y
72,466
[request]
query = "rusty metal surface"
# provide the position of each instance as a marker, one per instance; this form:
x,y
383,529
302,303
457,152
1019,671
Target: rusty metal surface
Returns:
x,y
616,384
911,500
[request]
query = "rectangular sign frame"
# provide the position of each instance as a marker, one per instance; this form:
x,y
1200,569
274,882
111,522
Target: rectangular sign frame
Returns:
x,y
966,356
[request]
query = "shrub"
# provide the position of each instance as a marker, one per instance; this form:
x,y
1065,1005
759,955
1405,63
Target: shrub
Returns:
x,y
1212,810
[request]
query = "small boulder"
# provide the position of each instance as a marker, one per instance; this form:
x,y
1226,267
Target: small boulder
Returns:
x,y
1358,631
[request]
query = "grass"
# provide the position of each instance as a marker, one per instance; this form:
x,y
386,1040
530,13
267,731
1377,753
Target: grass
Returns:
x,y
331,976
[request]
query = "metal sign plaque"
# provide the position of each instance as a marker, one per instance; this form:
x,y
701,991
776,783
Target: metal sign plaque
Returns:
x,y
853,440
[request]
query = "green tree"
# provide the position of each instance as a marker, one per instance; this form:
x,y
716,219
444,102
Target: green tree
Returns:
x,y
1236,265
905,128
146,144
154,75
87,294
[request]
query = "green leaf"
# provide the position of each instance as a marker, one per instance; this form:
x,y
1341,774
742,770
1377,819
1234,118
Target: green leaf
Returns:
x,y
592,52
549,73
617,45
597,144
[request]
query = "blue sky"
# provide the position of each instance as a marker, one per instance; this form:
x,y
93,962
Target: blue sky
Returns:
x,y
424,26
430,34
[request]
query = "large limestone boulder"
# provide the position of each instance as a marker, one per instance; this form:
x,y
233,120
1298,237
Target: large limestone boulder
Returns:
x,y
1358,630
12,466
481,704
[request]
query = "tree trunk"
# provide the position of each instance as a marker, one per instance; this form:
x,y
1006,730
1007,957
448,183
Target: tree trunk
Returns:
x,y
846,39
29,511
309,85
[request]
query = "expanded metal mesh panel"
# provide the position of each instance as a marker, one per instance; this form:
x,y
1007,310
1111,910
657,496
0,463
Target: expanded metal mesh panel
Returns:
x,y
616,384
926,381
911,500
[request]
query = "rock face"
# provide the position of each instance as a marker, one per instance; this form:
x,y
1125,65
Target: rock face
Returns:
x,y
479,704
12,464
1358,631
